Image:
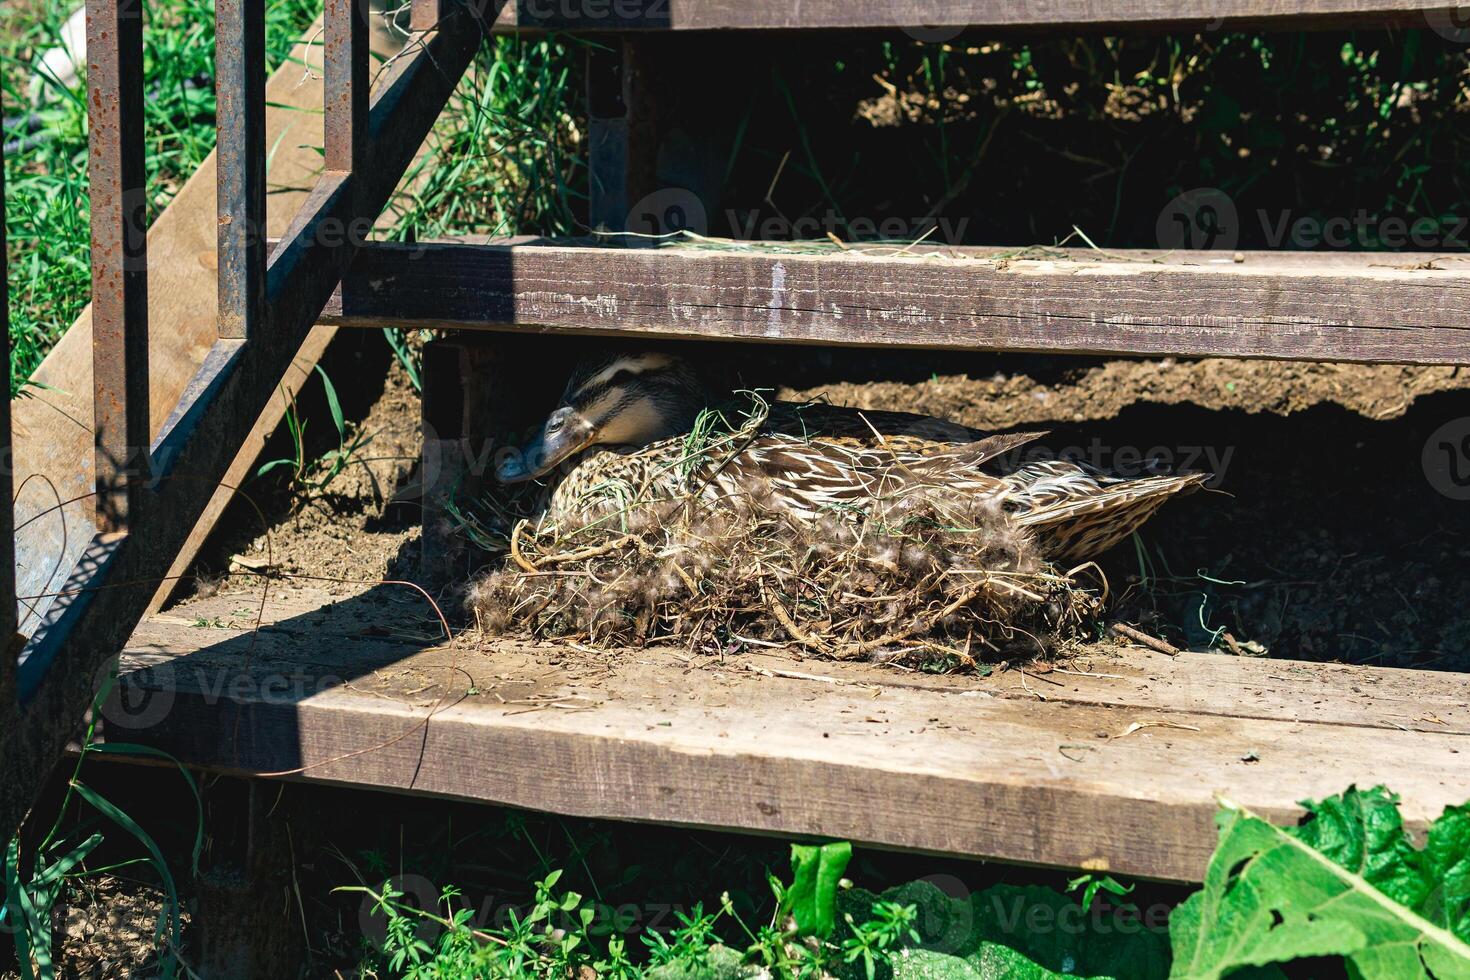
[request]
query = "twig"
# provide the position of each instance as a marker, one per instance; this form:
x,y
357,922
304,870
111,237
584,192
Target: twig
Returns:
x,y
1152,642
784,618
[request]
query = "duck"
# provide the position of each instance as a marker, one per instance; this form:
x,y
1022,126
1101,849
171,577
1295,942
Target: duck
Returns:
x,y
622,427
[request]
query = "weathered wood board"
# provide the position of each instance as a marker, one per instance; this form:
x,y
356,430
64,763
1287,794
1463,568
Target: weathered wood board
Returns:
x,y
1116,765
624,15
1295,305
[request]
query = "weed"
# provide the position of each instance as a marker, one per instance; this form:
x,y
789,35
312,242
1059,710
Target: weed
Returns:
x,y
60,859
312,476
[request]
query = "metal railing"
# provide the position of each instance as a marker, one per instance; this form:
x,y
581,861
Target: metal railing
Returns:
x,y
151,489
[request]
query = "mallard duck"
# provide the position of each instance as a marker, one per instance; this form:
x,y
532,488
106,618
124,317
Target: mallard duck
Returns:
x,y
624,419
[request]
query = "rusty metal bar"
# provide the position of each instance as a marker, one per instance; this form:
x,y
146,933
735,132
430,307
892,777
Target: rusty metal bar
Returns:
x,y
306,266
346,99
8,618
119,257
240,84
112,585
427,14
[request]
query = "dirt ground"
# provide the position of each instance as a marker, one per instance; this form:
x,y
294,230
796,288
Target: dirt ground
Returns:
x,y
1321,537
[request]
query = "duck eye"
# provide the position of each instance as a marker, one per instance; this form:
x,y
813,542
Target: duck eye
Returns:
x,y
554,423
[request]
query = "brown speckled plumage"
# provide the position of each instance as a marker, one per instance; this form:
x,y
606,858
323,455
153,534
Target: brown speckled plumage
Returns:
x,y
1075,512
621,413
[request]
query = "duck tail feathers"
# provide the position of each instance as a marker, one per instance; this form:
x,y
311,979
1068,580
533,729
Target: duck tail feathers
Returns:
x,y
1081,527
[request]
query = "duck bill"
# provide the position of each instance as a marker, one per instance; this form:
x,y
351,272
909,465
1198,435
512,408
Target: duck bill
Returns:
x,y
542,455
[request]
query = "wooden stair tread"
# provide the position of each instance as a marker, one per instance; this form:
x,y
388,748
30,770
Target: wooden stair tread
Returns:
x,y
964,765
665,15
1364,307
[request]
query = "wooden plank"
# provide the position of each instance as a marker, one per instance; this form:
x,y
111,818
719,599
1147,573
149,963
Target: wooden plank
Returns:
x,y
707,741
1209,684
345,104
663,15
1300,306
1107,675
622,130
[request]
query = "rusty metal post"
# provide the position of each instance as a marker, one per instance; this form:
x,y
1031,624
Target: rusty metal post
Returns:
x,y
345,102
119,257
8,619
240,88
427,13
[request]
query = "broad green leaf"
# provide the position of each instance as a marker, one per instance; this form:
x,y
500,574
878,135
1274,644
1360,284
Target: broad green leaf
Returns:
x,y
1271,895
991,962
812,898
273,464
17,918
54,874
1447,852
1364,833
720,963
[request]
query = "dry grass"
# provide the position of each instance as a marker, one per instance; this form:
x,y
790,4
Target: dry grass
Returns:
x,y
924,575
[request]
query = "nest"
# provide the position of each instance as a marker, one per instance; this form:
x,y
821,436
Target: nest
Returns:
x,y
923,575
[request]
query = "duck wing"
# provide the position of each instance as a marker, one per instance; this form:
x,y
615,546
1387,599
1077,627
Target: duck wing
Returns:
x,y
829,423
807,478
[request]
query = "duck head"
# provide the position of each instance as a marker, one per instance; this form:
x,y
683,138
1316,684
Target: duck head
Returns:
x,y
616,401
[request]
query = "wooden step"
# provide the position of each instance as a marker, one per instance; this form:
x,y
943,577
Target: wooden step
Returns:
x,y
1367,307
687,15
1114,762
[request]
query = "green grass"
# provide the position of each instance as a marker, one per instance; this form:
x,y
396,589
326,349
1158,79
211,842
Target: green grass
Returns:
x,y
47,217
504,159
1346,884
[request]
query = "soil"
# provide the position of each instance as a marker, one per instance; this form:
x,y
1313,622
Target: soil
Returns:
x,y
1320,538
355,529
1103,391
